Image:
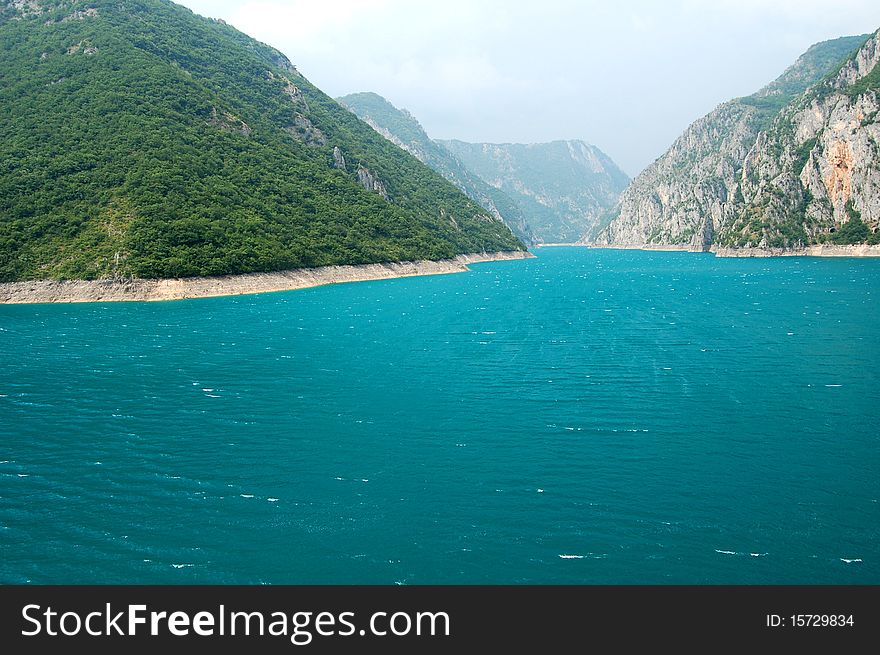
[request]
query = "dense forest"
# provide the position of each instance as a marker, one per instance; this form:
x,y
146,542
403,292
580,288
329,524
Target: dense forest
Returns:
x,y
139,139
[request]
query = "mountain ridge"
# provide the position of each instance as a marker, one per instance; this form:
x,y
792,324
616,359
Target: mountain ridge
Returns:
x,y
139,139
699,193
562,186
403,129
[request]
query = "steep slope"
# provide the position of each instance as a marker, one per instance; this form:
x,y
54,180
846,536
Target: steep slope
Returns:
x,y
401,128
813,177
138,139
563,187
693,194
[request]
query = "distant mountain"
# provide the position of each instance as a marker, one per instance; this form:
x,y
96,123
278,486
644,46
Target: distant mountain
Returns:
x,y
563,187
401,128
795,164
138,139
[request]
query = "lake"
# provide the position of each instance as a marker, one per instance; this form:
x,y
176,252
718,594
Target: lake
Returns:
x,y
585,417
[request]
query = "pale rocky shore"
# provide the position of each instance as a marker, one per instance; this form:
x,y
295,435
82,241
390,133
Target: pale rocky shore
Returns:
x,y
556,245
52,291
822,250
670,247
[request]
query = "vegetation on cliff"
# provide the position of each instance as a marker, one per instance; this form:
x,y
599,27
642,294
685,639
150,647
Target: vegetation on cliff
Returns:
x,y
786,167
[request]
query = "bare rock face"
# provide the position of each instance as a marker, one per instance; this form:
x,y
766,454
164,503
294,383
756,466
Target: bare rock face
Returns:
x,y
85,47
283,62
304,130
296,96
338,158
228,122
370,182
24,8
784,168
816,167
79,14
411,148
684,197
859,67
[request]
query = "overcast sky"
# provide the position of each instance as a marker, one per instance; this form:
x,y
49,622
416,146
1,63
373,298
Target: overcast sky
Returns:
x,y
625,75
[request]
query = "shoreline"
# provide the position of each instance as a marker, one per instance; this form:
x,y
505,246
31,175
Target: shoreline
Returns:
x,y
819,250
664,247
151,290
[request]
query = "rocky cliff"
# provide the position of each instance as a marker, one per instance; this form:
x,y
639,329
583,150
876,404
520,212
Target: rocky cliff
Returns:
x,y
775,169
563,187
402,129
814,176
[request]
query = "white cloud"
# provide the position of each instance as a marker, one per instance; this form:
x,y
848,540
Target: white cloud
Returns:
x,y
628,75
315,26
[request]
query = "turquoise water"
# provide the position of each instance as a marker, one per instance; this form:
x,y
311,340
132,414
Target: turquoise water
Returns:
x,y
584,417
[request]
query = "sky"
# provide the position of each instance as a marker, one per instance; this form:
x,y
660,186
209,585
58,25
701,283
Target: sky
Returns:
x,y
627,76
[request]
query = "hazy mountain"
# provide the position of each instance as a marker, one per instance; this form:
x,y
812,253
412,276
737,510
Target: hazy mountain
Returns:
x,y
401,128
562,187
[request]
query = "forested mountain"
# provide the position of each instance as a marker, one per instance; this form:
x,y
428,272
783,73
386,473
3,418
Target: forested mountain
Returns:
x,y
139,139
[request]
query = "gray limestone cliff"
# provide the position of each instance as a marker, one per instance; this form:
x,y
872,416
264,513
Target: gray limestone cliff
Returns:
x,y
814,176
370,182
785,167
